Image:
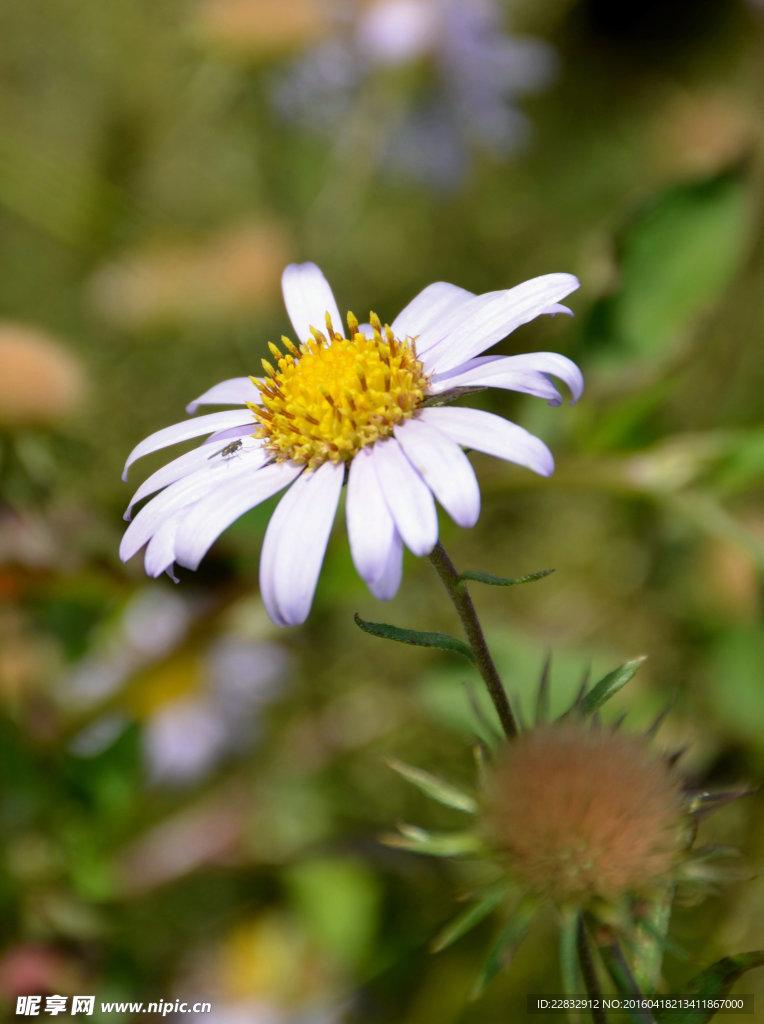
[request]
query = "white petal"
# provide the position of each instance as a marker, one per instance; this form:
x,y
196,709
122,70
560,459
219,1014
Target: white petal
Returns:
x,y
221,436
493,435
486,319
370,526
236,391
527,373
295,544
308,298
407,495
160,550
444,467
186,430
385,587
495,377
209,517
424,309
182,493
194,460
556,308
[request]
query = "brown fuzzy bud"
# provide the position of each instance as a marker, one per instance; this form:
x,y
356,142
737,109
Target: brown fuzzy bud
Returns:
x,y
582,813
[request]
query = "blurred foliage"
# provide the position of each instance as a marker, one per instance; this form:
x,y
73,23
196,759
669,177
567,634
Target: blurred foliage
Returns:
x,y
149,198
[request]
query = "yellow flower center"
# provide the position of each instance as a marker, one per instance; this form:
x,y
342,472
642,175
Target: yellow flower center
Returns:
x,y
333,396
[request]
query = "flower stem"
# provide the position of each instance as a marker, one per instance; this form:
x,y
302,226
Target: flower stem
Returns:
x,y
462,602
589,974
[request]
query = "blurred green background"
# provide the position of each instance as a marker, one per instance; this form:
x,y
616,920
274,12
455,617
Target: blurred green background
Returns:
x,y
192,799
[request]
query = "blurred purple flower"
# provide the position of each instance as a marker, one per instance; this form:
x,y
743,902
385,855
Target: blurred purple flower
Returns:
x,y
478,72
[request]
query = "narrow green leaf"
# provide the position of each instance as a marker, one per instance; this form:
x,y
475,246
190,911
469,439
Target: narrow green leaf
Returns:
x,y
709,801
570,972
620,973
713,983
470,917
609,685
500,581
507,944
436,844
416,637
432,786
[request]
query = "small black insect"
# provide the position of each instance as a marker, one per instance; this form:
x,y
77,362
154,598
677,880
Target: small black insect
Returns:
x,y
229,449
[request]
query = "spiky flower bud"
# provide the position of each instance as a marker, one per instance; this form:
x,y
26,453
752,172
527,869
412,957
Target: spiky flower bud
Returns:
x,y
582,814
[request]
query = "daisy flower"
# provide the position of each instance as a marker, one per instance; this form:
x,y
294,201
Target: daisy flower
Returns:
x,y
368,409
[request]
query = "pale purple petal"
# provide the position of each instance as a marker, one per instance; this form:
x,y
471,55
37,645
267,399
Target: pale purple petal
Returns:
x,y
236,391
495,376
385,587
435,301
221,436
229,500
371,529
186,430
444,468
476,325
160,550
183,492
527,373
295,543
407,495
493,435
556,308
308,298
194,460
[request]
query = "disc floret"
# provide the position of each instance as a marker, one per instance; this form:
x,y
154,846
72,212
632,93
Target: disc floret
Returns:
x,y
332,396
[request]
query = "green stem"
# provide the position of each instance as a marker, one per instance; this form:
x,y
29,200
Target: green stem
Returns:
x,y
465,609
589,974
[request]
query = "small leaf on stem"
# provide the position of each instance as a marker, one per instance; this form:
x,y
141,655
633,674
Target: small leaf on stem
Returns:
x,y
499,581
416,637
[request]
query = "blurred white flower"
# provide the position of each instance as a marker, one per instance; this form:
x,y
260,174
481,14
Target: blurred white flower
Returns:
x,y
185,738
195,709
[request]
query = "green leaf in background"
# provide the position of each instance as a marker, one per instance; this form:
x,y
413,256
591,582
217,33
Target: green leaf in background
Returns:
x,y
340,901
434,787
500,581
713,983
507,944
436,844
417,638
470,917
676,259
609,685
